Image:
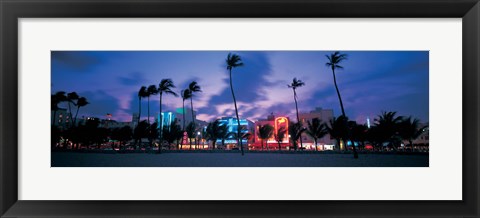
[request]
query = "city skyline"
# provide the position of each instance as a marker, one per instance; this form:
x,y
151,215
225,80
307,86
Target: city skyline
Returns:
x,y
371,82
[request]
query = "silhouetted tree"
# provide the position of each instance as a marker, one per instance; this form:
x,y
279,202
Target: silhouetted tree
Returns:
x,y
410,130
172,133
142,93
295,130
165,86
72,97
141,131
294,85
151,90
190,132
388,124
81,102
334,61
317,130
279,136
214,131
234,61
265,132
123,135
337,129
186,94
193,87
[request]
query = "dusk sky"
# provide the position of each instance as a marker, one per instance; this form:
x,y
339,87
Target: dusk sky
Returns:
x,y
371,82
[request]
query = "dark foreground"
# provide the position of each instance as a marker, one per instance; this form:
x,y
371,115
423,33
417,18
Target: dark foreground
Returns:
x,y
74,159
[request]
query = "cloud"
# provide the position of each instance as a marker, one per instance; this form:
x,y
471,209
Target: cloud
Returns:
x,y
132,79
80,61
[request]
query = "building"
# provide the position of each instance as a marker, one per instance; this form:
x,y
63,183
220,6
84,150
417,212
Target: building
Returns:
x,y
62,118
325,115
271,143
232,127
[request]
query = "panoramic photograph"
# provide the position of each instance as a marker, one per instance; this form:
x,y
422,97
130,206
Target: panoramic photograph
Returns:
x,y
239,108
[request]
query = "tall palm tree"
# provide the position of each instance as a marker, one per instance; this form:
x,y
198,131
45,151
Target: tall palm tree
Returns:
x,y
71,98
186,94
81,102
142,93
56,99
265,132
334,61
151,90
165,86
279,136
294,85
193,87
317,130
233,61
410,130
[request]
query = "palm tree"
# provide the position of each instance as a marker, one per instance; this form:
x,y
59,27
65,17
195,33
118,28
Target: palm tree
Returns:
x,y
142,93
337,129
186,94
171,133
359,133
334,61
81,102
234,61
151,90
71,98
56,99
214,131
279,136
295,84
190,129
265,132
388,124
193,87
317,130
165,86
410,130
295,130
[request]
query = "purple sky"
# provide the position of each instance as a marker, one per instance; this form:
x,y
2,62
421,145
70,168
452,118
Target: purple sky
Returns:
x,y
371,82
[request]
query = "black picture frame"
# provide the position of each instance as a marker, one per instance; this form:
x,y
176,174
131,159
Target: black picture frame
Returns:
x,y
12,10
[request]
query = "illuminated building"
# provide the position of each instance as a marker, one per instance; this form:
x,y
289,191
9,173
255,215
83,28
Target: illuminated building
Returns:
x,y
271,143
232,124
168,118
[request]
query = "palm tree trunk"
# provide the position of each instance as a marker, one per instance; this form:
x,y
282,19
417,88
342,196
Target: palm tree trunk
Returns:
x,y
316,149
411,144
70,112
54,116
239,141
193,118
139,109
183,112
161,127
298,117
76,114
279,146
148,110
262,145
355,154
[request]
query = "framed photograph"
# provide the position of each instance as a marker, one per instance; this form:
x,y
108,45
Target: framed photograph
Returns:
x,y
226,108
